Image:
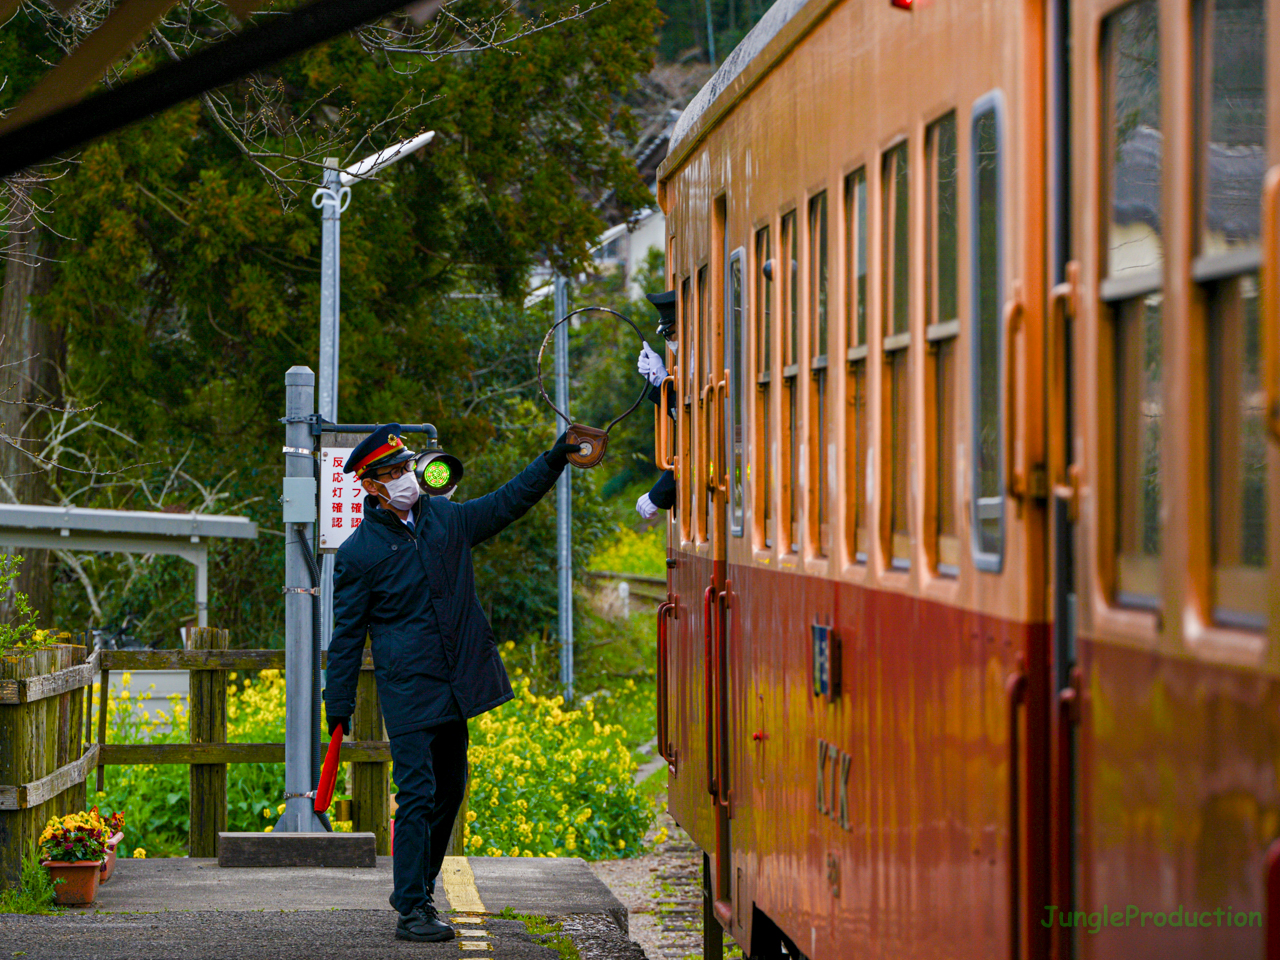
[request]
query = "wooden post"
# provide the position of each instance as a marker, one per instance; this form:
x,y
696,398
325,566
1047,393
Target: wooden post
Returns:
x,y
103,691
70,729
88,696
208,725
370,782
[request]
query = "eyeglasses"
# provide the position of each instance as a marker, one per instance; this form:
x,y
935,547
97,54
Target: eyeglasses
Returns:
x,y
394,472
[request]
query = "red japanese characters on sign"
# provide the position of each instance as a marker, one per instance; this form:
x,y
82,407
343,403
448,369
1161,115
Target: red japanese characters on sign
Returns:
x,y
341,500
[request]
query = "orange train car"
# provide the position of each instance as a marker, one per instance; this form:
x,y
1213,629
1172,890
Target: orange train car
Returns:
x,y
969,648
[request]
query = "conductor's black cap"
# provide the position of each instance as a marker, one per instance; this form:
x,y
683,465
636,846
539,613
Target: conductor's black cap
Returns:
x,y
382,448
665,304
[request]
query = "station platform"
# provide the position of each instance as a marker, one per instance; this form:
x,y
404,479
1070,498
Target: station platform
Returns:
x,y
193,908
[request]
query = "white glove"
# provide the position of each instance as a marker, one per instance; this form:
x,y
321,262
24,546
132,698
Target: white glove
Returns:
x,y
651,367
645,507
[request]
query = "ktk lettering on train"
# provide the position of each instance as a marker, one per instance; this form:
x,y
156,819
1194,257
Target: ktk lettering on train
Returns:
x,y
1132,916
833,782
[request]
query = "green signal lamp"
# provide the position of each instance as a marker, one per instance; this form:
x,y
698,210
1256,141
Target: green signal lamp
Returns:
x,y
438,472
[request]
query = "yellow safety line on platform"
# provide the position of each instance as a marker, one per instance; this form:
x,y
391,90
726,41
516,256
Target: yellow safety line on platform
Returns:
x,y
460,886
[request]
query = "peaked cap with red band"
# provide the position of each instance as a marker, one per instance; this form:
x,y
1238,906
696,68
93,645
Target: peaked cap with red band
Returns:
x,y
382,448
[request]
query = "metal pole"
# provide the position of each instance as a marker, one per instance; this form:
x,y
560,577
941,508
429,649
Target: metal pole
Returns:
x,y
711,36
332,199
201,561
299,725
564,498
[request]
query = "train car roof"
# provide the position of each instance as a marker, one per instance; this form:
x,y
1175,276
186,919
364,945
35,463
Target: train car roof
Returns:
x,y
746,53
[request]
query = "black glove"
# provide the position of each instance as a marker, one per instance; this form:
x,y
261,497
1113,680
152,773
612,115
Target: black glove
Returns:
x,y
343,722
558,456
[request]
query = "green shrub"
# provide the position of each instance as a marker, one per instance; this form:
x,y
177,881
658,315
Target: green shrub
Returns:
x,y
19,631
34,893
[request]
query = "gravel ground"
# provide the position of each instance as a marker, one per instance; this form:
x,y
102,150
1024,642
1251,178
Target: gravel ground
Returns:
x,y
662,892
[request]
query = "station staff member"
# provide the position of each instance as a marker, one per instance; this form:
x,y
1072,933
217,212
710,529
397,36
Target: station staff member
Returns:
x,y
405,579
650,365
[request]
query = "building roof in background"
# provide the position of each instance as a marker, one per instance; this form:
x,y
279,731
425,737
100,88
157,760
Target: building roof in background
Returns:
x,y
154,523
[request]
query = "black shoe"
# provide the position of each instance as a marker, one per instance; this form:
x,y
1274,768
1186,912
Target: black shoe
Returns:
x,y
423,925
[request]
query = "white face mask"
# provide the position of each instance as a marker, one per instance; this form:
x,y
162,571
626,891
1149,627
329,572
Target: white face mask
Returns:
x,y
402,492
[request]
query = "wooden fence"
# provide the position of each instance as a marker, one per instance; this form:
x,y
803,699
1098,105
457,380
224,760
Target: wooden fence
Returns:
x,y
43,755
208,753
47,750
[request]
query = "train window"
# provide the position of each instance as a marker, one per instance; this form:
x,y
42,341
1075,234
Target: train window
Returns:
x,y
819,403
737,401
706,450
790,371
943,326
895,256
1139,417
1233,161
685,471
1135,246
762,450
1238,456
1233,122
818,276
941,277
1134,263
987,298
855,228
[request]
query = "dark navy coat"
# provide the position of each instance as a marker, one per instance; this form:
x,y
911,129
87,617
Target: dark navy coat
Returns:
x,y
413,593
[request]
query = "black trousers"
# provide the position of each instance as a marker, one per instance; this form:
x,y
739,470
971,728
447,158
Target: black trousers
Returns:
x,y
430,770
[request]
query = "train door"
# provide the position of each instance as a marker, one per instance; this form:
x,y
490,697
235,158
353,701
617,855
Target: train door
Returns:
x,y
722,397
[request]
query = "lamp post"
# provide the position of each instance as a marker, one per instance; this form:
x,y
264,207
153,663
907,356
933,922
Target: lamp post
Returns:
x,y
332,198
564,498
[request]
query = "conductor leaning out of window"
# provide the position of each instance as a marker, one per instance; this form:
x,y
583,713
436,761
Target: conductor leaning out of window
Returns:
x,y
405,579
662,495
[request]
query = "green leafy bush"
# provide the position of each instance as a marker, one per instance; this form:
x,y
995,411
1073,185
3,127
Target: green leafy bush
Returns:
x,y
34,892
19,631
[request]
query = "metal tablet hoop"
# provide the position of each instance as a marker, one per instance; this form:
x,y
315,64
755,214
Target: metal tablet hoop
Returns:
x,y
591,441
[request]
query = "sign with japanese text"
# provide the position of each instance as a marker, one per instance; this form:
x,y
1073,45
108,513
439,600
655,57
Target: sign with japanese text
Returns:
x,y
341,499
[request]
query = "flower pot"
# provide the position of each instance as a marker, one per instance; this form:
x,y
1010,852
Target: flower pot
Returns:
x,y
79,880
109,860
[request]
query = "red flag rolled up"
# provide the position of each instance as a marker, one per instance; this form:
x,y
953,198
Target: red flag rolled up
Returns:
x,y
329,772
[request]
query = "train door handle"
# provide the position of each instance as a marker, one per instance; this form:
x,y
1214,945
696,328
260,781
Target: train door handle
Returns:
x,y
1015,476
662,428
662,719
1062,306
1069,492
722,476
